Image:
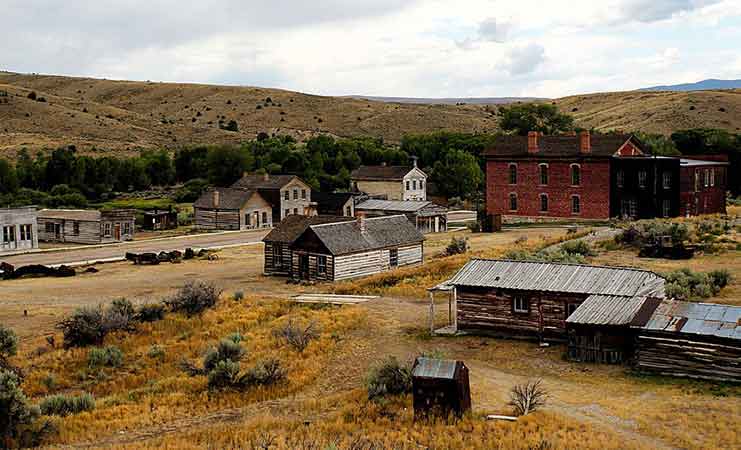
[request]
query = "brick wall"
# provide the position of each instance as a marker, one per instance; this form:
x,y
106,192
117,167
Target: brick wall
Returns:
x,y
594,190
701,199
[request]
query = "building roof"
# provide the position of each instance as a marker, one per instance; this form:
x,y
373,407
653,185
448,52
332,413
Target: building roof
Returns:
x,y
614,310
392,205
603,145
290,228
434,368
381,173
83,215
331,200
557,277
228,198
258,181
705,319
684,162
381,232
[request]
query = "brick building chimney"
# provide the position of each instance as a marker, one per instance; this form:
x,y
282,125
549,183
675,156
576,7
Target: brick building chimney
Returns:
x,y
585,142
532,142
217,199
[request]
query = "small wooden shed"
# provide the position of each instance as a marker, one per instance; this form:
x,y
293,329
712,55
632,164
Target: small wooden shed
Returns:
x,y
160,219
440,387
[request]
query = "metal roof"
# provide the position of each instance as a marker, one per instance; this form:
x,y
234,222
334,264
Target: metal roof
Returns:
x,y
392,205
706,319
434,368
91,215
556,277
698,162
613,310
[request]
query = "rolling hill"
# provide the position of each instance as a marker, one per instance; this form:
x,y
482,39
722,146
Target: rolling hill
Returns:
x,y
703,85
100,115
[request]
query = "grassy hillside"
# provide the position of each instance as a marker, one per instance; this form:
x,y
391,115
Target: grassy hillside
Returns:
x,y
124,116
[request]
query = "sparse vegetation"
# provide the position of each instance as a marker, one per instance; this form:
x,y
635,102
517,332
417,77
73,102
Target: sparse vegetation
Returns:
x,y
528,397
685,284
457,246
194,298
64,405
389,378
109,356
19,420
297,336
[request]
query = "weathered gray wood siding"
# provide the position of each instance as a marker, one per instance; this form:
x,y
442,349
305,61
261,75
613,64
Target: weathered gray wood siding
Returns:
x,y
375,261
491,310
280,265
11,221
86,232
313,266
212,219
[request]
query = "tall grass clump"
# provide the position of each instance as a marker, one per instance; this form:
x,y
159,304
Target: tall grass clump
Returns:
x,y
389,378
109,356
298,337
65,405
194,298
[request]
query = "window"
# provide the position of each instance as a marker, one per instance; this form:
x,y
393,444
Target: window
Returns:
x,y
321,265
697,180
628,208
620,178
348,211
49,227
26,232
666,180
76,228
295,211
277,260
521,305
394,257
575,204
513,174
571,308
8,234
286,195
543,174
414,185
126,228
408,185
513,202
575,175
264,218
712,177
295,194
107,230
666,208
642,175
288,212
303,194
707,178
421,184
248,220
543,202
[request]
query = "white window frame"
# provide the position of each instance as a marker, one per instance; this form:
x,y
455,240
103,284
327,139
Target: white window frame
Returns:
x,y
321,265
303,194
712,177
666,208
542,166
286,195
578,204
295,193
707,178
520,305
107,229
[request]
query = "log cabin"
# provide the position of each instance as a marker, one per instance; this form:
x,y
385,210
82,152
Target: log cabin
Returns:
x,y
278,253
86,226
18,229
425,215
232,209
345,250
533,300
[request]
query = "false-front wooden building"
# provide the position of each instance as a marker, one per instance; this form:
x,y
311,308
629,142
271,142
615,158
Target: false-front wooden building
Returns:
x,y
86,226
278,253
339,251
696,340
426,216
18,229
232,209
534,299
440,387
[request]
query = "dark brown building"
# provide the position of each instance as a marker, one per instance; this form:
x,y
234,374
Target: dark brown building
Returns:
x,y
160,219
334,203
440,387
232,209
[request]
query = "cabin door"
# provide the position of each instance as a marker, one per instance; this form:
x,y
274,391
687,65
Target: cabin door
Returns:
x,y
117,231
58,231
303,267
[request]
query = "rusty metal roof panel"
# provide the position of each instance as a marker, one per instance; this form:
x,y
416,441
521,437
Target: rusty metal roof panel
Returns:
x,y
434,368
607,310
703,319
555,277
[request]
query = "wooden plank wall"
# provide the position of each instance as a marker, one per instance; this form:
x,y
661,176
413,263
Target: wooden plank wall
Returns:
x,y
90,232
374,261
682,355
286,254
209,219
313,274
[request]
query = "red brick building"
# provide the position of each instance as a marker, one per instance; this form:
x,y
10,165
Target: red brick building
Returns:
x,y
593,177
703,187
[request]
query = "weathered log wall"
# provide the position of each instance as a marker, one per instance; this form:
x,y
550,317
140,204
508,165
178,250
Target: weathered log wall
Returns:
x,y
211,219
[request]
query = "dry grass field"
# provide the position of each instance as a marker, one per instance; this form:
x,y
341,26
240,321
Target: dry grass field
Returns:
x,y
148,402
100,116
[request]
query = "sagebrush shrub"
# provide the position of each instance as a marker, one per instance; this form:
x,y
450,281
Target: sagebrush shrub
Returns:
x,y
64,405
457,246
194,298
151,312
578,248
224,375
265,373
389,378
297,336
84,327
109,356
17,415
225,350
8,344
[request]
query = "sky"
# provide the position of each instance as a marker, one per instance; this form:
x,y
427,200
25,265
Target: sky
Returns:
x,y
406,48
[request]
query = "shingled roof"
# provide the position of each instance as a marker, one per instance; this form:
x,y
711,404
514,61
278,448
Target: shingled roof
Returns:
x,y
290,228
380,173
257,181
602,145
331,200
380,232
228,198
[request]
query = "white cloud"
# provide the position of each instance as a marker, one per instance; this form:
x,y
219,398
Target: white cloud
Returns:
x,y
494,30
525,59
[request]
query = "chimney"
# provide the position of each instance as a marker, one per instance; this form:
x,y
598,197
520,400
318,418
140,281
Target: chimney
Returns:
x,y
532,142
216,199
414,161
585,142
266,176
245,173
361,223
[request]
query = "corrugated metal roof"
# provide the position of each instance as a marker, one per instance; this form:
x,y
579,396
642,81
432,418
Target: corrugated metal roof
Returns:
x,y
391,205
610,310
556,277
434,368
698,162
705,319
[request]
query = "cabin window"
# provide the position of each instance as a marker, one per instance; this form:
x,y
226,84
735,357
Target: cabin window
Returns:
x,y
421,184
408,185
712,177
543,202
513,202
264,218
707,178
620,178
543,174
277,259
321,265
575,175
295,194
126,228
26,232
513,174
642,175
628,207
666,208
414,185
571,308
286,195
76,228
107,230
288,212
248,220
303,194
394,257
49,227
8,234
521,305
348,211
575,204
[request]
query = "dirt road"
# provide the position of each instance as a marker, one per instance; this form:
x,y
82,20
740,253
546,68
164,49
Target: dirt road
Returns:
x,y
108,252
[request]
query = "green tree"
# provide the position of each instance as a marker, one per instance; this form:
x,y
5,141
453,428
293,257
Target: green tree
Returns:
x,y
226,164
542,117
8,178
658,144
458,174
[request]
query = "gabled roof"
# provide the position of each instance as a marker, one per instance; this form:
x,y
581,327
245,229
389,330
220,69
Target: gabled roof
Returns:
x,y
557,277
381,232
603,145
434,368
381,173
228,198
392,205
331,200
614,310
83,215
706,319
257,181
290,228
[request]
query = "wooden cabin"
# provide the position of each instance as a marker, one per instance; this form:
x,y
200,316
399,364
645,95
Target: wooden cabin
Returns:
x,y
533,300
18,229
232,209
278,253
160,219
334,203
83,226
426,216
391,182
340,251
694,340
286,194
440,387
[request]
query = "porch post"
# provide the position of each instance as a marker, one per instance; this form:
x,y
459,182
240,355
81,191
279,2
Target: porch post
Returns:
x,y
455,309
432,312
